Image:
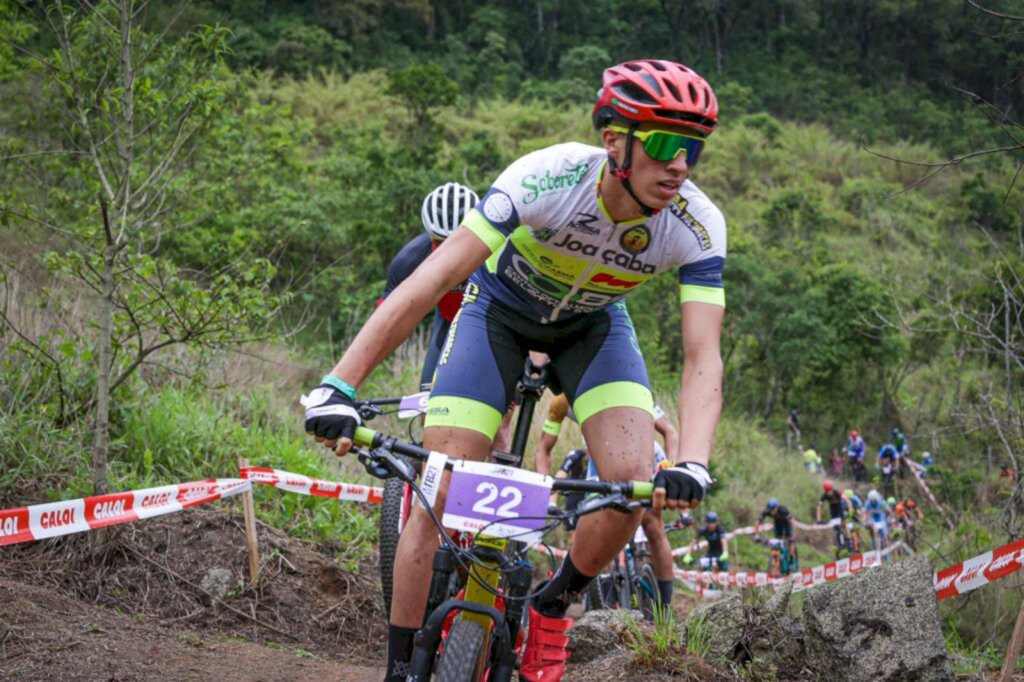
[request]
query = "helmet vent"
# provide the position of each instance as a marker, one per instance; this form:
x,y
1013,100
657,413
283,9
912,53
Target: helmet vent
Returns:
x,y
657,65
694,97
674,90
652,82
633,92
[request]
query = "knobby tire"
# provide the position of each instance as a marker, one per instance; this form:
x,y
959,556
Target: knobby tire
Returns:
x,y
647,592
390,520
461,653
592,600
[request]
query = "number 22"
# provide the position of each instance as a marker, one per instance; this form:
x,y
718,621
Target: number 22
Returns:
x,y
491,493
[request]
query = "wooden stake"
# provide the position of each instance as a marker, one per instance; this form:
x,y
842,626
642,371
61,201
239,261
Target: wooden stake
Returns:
x,y
1013,651
250,531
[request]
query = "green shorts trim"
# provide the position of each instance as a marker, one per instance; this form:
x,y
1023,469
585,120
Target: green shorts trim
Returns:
x,y
614,394
479,225
699,294
463,413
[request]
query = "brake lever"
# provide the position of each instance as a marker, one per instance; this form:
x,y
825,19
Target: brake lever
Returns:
x,y
373,466
616,501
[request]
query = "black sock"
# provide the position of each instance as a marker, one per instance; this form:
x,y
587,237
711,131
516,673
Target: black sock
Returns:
x,y
554,598
665,591
400,645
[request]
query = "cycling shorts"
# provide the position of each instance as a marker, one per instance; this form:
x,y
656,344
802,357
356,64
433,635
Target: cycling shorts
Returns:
x,y
595,358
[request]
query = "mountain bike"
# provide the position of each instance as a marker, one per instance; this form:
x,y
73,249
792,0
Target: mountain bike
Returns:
x,y
853,533
481,580
842,541
630,584
779,560
879,534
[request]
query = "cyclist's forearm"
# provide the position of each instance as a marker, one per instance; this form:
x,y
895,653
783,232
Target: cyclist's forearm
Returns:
x,y
700,406
394,321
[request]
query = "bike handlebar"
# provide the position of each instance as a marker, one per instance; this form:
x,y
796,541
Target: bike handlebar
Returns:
x,y
639,490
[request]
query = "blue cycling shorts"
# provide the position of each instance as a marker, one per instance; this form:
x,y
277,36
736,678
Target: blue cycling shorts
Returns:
x,y
595,358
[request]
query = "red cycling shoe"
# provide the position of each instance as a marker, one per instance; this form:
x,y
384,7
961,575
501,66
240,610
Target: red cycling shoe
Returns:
x,y
546,648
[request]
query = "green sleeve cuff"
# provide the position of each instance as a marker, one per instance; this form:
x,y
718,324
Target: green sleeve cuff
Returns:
x,y
552,428
482,228
699,294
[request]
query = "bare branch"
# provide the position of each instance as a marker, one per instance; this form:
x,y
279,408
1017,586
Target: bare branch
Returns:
x,y
998,15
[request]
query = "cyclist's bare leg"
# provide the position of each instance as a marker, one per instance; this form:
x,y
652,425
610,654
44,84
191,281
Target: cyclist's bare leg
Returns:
x,y
619,440
657,540
503,438
419,539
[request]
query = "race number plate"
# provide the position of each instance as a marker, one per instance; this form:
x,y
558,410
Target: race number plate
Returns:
x,y
497,500
413,405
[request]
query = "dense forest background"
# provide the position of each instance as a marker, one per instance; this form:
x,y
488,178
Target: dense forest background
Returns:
x,y
198,204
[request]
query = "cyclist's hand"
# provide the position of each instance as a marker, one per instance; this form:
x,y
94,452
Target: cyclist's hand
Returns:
x,y
681,486
331,417
724,557
687,558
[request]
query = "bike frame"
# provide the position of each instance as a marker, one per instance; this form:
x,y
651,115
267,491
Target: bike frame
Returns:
x,y
496,604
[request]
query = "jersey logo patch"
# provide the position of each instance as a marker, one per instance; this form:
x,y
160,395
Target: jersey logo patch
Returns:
x,y
583,222
636,239
612,281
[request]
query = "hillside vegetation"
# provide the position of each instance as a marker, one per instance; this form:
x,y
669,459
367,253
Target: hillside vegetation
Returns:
x,y
286,159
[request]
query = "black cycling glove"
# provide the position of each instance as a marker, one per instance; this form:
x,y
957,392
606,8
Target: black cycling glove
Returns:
x,y
686,481
330,414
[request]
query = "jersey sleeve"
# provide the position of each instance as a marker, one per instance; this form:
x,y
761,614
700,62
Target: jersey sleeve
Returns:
x,y
405,262
700,276
508,204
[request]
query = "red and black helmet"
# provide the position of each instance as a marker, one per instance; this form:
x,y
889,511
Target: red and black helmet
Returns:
x,y
656,90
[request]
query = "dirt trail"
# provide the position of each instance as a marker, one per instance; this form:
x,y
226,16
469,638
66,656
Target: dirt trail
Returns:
x,y
45,635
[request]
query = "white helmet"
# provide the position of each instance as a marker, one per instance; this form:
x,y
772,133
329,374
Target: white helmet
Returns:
x,y
874,495
444,208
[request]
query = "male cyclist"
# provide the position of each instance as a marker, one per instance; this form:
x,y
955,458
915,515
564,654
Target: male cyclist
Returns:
x,y
856,517
783,526
899,441
652,523
554,246
876,511
907,514
855,448
718,544
886,461
442,211
837,509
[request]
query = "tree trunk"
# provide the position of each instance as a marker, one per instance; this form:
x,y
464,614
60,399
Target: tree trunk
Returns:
x,y
101,446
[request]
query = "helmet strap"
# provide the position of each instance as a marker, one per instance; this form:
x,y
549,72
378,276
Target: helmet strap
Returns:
x,y
622,174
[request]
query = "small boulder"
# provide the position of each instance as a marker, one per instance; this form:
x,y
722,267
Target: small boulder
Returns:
x,y
218,582
596,634
720,624
880,624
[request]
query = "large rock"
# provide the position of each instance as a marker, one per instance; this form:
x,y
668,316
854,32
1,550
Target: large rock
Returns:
x,y
721,624
880,624
596,634
774,642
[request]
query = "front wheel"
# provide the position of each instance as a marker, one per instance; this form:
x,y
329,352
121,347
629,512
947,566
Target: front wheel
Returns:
x,y
647,592
461,657
394,513
592,600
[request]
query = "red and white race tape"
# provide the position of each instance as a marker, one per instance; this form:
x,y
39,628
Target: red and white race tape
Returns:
x,y
981,570
297,483
725,578
748,530
918,471
75,516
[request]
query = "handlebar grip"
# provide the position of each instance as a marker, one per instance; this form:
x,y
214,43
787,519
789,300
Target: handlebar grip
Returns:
x,y
364,436
643,490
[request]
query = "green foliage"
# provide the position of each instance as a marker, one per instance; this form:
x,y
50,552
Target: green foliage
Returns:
x,y
650,645
180,434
